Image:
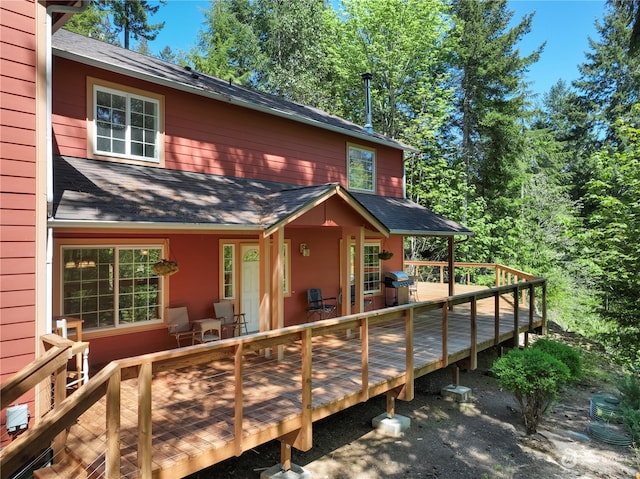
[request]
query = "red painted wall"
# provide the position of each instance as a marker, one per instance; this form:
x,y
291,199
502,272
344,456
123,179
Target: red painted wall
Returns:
x,y
17,191
220,138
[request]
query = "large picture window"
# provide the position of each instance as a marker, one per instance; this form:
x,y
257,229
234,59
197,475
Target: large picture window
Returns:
x,y
126,124
361,166
111,286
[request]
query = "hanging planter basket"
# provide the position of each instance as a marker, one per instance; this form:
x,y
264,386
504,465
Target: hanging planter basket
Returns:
x,y
165,267
384,255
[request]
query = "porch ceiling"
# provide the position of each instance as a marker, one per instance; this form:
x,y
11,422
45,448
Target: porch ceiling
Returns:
x,y
102,194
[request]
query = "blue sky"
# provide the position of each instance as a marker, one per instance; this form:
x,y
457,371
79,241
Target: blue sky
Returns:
x,y
564,24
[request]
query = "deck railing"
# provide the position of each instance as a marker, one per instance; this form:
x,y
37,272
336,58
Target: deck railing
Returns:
x,y
107,382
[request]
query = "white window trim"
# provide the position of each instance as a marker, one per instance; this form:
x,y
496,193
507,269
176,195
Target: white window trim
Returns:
x,y
59,244
353,146
95,84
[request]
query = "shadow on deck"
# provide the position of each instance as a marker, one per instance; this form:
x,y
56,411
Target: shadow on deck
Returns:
x,y
169,414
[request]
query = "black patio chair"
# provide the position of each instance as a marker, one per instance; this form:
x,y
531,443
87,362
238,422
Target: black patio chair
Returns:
x,y
316,304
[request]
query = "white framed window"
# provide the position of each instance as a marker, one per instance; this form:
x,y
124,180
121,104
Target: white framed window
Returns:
x,y
361,168
111,286
228,271
372,268
126,123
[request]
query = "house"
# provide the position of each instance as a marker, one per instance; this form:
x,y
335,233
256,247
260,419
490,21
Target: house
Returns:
x,y
256,198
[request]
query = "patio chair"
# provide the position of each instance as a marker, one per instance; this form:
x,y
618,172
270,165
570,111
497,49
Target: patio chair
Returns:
x,y
368,298
316,304
207,330
179,325
413,288
236,322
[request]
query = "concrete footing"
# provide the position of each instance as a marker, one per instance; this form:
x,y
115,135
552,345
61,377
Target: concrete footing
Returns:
x,y
456,392
391,426
276,472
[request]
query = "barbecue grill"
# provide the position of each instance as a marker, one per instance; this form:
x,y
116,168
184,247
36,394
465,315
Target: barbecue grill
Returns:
x,y
398,282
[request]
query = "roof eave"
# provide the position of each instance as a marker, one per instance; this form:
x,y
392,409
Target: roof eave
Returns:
x,y
430,233
151,225
225,98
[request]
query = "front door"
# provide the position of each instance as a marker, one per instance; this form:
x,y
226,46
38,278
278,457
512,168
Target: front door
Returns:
x,y
250,286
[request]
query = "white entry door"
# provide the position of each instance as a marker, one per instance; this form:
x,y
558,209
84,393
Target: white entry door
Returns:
x,y
250,286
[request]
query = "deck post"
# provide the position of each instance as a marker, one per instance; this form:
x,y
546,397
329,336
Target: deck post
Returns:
x,y
516,320
112,456
285,456
145,435
544,308
407,393
59,395
455,375
238,412
364,360
532,305
391,404
473,353
445,334
496,320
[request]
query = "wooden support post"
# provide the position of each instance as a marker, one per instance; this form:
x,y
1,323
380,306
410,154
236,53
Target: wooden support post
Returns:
x,y
445,334
304,438
407,391
59,395
452,271
391,404
516,320
145,435
496,320
473,353
238,398
364,346
112,456
544,308
285,456
455,375
526,339
532,305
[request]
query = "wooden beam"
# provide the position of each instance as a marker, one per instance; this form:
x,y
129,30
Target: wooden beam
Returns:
x,y
516,320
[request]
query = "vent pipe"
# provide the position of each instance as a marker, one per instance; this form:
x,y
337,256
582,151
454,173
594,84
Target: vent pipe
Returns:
x,y
368,125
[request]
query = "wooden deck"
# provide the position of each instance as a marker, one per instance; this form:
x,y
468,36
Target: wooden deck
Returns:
x,y
207,410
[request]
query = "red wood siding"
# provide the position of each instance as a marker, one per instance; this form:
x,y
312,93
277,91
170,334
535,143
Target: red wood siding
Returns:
x,y
220,138
17,189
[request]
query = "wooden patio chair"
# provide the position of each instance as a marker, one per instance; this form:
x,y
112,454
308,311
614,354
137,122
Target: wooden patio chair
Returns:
x,y
235,322
179,325
317,304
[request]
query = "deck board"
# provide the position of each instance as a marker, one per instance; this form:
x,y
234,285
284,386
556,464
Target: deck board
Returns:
x,y
193,407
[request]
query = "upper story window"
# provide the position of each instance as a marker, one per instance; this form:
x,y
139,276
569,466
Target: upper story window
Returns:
x,y
361,168
127,123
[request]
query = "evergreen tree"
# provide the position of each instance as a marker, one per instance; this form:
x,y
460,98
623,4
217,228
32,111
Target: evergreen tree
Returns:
x,y
131,17
94,22
609,78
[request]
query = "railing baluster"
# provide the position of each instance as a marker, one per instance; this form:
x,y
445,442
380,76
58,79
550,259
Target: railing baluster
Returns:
x,y
496,319
445,333
516,319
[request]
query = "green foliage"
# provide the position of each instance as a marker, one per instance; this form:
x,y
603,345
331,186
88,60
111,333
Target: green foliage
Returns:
x,y
569,356
629,387
534,377
94,22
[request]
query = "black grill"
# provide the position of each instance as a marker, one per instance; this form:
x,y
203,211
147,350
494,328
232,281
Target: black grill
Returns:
x,y
397,279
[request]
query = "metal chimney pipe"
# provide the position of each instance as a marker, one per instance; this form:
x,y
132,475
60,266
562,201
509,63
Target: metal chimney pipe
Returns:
x,y
368,125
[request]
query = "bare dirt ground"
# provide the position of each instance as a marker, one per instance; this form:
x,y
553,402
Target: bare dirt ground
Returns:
x,y
483,438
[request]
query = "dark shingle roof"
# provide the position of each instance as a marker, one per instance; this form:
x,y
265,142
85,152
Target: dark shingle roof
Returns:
x,y
102,192
110,57
404,217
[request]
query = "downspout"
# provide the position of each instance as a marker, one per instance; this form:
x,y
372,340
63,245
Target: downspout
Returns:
x,y
51,9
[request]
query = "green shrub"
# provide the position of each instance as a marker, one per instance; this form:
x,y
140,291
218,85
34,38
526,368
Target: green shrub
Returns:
x,y
534,377
564,353
629,387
